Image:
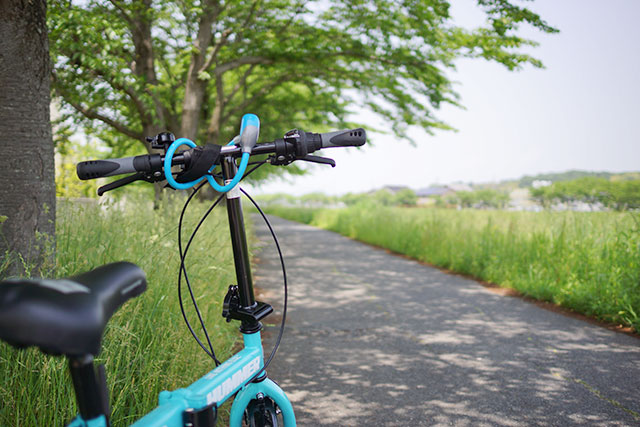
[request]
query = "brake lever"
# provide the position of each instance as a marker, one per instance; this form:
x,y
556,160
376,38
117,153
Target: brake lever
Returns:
x,y
140,176
320,160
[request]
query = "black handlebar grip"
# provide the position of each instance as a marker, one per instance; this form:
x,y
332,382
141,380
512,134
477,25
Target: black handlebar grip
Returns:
x,y
340,138
100,168
344,138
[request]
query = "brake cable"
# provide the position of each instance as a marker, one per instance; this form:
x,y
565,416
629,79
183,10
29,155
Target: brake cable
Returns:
x,y
286,292
183,255
210,352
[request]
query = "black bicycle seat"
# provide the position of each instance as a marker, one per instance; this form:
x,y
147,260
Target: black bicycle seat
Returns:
x,y
66,316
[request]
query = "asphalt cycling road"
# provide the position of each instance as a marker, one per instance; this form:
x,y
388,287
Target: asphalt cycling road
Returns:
x,y
377,339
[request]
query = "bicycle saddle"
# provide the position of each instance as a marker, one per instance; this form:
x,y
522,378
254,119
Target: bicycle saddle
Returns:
x,y
66,316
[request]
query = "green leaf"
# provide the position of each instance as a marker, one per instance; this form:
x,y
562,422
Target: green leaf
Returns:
x,y
204,76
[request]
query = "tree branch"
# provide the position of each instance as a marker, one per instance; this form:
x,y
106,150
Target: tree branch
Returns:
x,y
288,23
240,83
144,59
122,11
239,34
129,92
282,79
94,115
216,49
221,69
171,111
75,60
213,130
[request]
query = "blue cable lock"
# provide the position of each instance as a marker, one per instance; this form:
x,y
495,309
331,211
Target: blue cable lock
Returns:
x,y
250,123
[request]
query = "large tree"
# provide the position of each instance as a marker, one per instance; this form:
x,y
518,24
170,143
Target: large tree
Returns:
x,y
131,68
27,189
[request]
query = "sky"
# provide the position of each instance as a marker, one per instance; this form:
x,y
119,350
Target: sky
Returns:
x,y
581,112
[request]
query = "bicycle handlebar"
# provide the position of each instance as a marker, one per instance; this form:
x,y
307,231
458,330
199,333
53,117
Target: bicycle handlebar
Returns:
x,y
293,144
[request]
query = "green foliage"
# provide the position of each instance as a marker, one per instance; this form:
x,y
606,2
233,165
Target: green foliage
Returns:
x,y
277,199
351,199
379,198
147,347
318,198
405,197
588,262
299,214
123,69
483,198
618,195
67,182
527,180
69,153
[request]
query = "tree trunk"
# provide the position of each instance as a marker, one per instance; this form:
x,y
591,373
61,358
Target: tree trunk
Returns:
x,y
195,86
27,187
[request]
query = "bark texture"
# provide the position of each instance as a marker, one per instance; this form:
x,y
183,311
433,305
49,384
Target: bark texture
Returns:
x,y
27,187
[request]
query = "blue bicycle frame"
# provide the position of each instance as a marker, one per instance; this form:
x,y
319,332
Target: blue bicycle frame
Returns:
x,y
220,384
215,388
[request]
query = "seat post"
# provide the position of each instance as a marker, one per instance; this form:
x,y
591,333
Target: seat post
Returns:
x,y
90,385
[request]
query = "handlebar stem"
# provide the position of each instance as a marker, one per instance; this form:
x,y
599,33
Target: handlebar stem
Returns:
x,y
239,242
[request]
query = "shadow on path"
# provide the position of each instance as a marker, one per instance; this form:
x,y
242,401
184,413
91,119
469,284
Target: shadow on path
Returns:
x,y
376,339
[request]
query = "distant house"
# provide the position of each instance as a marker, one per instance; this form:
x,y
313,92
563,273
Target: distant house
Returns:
x,y
459,187
427,195
393,189
433,192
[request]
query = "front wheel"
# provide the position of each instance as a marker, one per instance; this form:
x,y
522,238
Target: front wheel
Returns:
x,y
262,404
262,412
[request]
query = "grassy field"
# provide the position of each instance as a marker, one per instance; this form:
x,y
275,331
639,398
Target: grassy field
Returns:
x,y
147,347
588,262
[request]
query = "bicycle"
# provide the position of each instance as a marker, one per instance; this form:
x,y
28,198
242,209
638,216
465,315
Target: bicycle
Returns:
x,y
68,316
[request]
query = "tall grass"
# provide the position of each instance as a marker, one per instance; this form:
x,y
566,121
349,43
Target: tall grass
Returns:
x,y
147,347
588,262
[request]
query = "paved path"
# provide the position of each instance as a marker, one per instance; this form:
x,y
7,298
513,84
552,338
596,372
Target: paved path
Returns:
x,y
376,339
